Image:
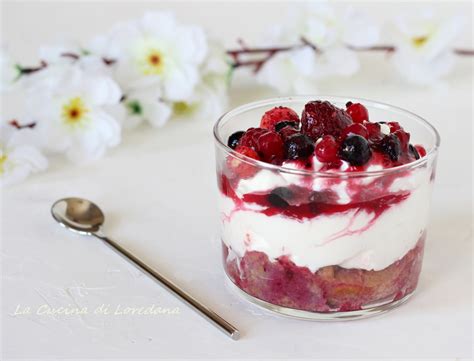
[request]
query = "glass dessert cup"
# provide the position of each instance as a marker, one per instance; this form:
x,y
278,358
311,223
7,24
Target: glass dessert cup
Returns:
x,y
323,245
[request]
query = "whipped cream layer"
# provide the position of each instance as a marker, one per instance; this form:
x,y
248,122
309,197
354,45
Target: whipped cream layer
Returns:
x,y
353,239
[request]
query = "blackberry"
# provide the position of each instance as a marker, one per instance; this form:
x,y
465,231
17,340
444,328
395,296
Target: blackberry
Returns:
x,y
391,146
299,146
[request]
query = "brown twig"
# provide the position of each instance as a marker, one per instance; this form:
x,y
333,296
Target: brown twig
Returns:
x,y
464,52
268,52
17,125
30,70
386,48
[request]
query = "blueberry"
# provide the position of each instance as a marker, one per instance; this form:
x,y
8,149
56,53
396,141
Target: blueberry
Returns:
x,y
299,146
355,150
391,146
413,151
279,197
280,125
234,139
325,196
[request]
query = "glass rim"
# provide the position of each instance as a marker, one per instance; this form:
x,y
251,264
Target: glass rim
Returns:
x,y
332,174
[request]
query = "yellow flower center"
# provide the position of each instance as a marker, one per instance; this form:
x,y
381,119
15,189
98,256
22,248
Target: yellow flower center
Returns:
x,y
3,159
183,108
74,111
419,41
153,64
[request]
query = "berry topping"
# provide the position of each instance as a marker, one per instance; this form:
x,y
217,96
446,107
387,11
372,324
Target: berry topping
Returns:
x,y
394,126
277,115
233,140
280,196
373,129
270,147
355,128
390,145
250,137
249,152
298,146
321,117
421,150
287,132
404,138
355,150
327,149
280,125
240,168
414,152
326,132
357,112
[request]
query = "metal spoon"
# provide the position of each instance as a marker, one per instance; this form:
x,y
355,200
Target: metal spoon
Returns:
x,y
84,217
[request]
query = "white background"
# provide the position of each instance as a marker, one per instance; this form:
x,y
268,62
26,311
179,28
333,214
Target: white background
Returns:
x,y
158,192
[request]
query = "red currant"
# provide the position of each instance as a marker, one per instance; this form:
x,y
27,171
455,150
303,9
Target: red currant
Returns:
x,y
357,111
326,150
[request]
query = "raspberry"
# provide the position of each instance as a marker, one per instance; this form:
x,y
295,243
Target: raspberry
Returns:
x,y
357,112
355,128
249,152
250,137
355,150
276,115
326,150
298,146
270,147
321,117
239,167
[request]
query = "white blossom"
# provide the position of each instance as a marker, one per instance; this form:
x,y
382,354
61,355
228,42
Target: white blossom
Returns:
x,y
157,54
143,104
18,160
329,32
291,72
70,109
209,98
424,43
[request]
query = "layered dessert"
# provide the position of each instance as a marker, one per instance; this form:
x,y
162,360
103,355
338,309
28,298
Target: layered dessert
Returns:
x,y
324,212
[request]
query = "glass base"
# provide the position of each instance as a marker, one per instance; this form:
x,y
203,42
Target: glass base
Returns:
x,y
371,310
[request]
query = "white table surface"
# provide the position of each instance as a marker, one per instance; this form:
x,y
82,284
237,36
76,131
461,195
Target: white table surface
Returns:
x,y
159,195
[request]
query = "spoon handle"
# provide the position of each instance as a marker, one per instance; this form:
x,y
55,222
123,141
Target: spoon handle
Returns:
x,y
210,315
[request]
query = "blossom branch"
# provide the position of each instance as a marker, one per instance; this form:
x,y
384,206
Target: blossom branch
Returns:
x,y
14,123
269,52
43,64
29,70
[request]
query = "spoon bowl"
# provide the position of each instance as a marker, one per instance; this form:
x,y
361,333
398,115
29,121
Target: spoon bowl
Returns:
x,y
78,215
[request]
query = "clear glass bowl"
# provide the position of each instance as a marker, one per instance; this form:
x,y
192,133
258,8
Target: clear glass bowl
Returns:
x,y
323,245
